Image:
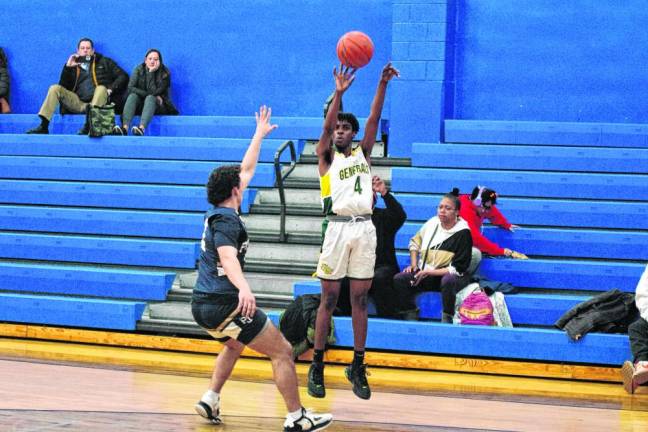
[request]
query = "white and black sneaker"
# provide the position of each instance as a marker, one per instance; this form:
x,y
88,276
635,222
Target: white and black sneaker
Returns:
x,y
309,421
210,412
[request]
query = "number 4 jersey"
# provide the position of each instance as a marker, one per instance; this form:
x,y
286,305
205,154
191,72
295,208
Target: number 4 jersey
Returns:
x,y
346,187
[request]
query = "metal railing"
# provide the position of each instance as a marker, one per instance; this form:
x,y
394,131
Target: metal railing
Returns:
x,y
280,184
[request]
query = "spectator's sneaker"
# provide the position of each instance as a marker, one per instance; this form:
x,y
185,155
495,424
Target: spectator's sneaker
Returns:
x,y
358,377
309,421
627,375
40,129
137,131
120,130
316,380
209,412
640,375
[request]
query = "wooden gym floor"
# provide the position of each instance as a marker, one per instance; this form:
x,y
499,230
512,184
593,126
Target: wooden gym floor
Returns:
x,y
51,386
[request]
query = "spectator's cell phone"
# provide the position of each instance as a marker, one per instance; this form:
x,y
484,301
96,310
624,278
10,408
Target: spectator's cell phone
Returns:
x,y
83,59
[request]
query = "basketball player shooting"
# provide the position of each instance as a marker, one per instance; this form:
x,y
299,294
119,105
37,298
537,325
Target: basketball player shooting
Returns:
x,y
350,237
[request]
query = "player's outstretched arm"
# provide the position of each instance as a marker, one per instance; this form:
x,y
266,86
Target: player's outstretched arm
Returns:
x,y
249,162
371,128
343,80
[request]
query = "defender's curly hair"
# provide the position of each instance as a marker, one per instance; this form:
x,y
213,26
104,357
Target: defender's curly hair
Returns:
x,y
221,181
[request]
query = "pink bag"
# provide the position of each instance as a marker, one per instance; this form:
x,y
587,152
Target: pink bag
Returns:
x,y
477,309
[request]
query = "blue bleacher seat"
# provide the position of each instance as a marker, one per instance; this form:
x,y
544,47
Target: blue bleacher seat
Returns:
x,y
535,183
121,170
106,250
170,148
480,156
584,243
85,280
70,311
101,221
544,212
482,341
110,195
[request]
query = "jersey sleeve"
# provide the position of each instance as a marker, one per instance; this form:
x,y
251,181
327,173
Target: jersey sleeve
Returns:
x,y
225,231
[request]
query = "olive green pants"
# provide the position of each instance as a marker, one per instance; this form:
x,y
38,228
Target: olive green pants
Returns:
x,y
60,95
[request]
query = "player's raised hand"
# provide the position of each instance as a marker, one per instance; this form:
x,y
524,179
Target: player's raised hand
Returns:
x,y
343,78
264,127
389,72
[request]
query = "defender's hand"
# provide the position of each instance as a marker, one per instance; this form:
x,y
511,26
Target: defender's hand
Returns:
x,y
263,121
247,303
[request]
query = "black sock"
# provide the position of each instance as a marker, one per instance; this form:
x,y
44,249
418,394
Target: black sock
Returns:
x,y
44,122
318,356
358,358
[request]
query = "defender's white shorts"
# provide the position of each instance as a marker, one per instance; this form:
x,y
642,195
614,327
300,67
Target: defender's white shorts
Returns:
x,y
349,250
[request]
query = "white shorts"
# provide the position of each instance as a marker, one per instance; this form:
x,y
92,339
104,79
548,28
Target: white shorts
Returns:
x,y
349,250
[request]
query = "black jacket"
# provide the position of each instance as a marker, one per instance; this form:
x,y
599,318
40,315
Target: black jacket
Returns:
x,y
387,222
610,312
4,75
159,86
104,71
297,323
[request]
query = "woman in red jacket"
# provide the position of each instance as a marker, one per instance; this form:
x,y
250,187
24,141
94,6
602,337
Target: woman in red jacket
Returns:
x,y
475,208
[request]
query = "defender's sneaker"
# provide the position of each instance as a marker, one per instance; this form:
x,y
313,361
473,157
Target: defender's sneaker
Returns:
x,y
209,412
309,421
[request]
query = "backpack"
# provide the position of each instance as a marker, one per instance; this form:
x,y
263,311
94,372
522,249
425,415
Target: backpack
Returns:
x,y
101,120
476,309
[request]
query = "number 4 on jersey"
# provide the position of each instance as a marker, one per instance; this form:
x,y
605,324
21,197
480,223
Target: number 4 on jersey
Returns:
x,y
358,187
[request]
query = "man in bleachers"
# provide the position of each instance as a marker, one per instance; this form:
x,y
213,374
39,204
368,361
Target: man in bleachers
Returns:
x,y
635,373
87,79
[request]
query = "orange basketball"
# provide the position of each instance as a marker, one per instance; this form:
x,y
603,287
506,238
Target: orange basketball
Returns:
x,y
355,49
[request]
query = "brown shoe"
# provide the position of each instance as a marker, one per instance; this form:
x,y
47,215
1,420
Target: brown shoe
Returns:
x,y
627,375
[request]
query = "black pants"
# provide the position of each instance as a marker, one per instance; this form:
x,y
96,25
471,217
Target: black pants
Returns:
x,y
449,285
381,292
638,333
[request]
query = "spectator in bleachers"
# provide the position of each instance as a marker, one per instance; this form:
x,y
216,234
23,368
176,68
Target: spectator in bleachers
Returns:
x,y
5,108
635,373
387,222
88,78
148,93
440,255
480,205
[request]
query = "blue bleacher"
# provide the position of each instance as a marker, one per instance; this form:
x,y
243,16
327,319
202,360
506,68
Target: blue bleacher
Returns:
x,y
535,184
525,309
482,341
544,212
189,149
290,128
110,195
70,311
547,133
480,156
568,243
121,170
85,280
93,249
101,221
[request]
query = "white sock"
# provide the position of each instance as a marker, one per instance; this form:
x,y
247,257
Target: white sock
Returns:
x,y
296,415
210,397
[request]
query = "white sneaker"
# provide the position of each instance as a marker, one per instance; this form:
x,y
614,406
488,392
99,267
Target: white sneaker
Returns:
x,y
209,412
309,421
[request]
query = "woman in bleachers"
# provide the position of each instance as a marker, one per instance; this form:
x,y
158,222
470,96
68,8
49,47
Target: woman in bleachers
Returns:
x,y
148,93
440,254
480,205
5,108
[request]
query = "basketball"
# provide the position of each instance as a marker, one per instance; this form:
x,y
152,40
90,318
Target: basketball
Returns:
x,y
355,49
